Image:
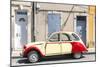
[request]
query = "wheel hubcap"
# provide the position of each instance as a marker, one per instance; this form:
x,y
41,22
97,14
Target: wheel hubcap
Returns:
x,y
33,58
77,55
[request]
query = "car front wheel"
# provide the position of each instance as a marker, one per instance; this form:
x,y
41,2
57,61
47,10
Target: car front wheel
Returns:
x,y
77,55
33,56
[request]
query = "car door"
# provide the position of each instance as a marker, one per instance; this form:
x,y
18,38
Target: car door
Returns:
x,y
66,46
53,46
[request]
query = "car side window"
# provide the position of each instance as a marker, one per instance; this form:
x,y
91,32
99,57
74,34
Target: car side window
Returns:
x,y
65,37
55,38
75,37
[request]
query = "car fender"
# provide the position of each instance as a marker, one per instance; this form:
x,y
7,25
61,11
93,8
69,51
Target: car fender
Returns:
x,y
78,47
27,50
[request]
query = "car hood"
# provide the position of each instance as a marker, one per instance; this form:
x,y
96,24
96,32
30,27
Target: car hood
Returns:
x,y
35,43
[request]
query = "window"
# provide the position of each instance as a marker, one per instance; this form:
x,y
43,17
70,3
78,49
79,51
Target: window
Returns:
x,y
74,37
65,37
22,13
55,38
54,21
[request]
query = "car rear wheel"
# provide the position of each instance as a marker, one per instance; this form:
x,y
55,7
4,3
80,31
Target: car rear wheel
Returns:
x,y
77,55
33,56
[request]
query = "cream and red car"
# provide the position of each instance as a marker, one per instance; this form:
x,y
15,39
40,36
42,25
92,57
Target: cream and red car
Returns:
x,y
58,43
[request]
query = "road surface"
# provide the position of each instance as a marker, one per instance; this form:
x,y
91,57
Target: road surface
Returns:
x,y
52,60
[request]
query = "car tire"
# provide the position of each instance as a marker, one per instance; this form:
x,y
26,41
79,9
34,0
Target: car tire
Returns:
x,y
33,57
77,55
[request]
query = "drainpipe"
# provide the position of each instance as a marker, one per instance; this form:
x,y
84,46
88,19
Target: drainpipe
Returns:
x,y
33,23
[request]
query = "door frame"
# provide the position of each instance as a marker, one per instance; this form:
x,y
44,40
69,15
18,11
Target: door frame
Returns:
x,y
15,24
29,14
75,24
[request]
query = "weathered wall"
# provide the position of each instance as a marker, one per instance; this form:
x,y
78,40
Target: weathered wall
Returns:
x,y
41,24
91,27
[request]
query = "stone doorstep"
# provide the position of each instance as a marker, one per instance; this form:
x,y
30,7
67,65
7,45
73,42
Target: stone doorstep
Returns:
x,y
91,50
16,53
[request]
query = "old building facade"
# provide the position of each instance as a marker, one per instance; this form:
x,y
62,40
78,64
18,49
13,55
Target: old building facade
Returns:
x,y
35,21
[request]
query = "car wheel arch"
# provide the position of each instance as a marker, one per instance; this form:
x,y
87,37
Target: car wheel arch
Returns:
x,y
33,49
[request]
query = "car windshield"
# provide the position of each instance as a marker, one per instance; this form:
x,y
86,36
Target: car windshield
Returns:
x,y
74,37
55,38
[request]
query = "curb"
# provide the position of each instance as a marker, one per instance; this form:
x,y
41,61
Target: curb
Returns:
x,y
90,53
16,57
84,54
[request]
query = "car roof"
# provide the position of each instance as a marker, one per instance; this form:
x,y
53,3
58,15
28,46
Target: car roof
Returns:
x,y
64,32
70,33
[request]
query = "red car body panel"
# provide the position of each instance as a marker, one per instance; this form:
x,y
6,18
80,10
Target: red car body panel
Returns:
x,y
78,47
27,50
